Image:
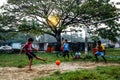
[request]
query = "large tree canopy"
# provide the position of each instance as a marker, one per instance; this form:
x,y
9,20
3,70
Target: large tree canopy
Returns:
x,y
68,13
6,22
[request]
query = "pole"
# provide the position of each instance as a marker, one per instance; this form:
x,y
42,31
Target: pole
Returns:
x,y
86,41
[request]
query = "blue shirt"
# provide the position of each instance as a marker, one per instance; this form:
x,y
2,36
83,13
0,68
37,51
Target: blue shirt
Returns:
x,y
66,47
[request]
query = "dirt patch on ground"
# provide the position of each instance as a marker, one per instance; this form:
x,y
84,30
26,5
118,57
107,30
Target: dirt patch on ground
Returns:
x,y
12,73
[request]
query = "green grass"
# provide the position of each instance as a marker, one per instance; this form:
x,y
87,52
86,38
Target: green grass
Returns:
x,y
113,55
13,60
100,73
113,52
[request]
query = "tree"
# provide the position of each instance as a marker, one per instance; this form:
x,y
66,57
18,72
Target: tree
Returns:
x,y
7,22
69,13
7,31
29,27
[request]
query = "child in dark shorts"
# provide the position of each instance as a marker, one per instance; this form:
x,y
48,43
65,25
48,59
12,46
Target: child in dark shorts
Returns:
x,y
28,49
66,49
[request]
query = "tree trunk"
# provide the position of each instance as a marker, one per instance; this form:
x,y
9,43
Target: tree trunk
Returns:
x,y
58,37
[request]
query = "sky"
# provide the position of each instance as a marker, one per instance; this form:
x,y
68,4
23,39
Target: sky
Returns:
x,y
2,2
116,1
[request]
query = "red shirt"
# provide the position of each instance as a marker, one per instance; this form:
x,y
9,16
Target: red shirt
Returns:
x,y
28,47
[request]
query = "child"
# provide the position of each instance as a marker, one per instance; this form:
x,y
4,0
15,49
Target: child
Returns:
x,y
77,55
28,49
62,45
101,51
66,49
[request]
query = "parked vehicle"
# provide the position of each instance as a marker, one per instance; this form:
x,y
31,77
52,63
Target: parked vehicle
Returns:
x,y
6,47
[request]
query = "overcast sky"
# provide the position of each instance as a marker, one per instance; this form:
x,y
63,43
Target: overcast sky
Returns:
x,y
2,2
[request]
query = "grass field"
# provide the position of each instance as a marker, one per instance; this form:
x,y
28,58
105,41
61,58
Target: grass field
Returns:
x,y
112,55
99,73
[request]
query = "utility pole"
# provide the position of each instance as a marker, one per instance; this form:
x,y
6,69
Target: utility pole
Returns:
x,y
86,42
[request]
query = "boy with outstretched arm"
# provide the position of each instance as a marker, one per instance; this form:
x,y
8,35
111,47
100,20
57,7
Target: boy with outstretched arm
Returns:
x,y
29,52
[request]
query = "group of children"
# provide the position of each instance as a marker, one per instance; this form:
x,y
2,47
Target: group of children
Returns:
x,y
100,50
64,48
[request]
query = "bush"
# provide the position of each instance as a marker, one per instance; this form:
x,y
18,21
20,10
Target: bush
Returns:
x,y
111,46
16,50
13,51
6,51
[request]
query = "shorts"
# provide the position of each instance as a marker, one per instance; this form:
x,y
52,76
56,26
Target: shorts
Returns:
x,y
30,55
100,53
66,51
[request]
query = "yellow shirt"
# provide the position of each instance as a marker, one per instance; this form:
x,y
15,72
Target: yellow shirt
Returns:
x,y
101,48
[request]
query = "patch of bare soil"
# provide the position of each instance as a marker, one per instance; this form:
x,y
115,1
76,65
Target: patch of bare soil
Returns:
x,y
12,73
